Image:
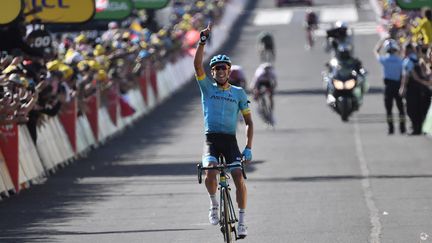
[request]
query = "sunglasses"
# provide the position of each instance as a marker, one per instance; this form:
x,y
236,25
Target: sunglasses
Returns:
x,y
220,67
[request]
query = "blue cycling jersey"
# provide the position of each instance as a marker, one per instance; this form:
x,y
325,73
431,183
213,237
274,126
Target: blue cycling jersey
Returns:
x,y
221,106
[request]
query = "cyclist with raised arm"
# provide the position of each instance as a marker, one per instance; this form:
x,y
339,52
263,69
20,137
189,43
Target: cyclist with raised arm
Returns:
x,y
221,104
266,47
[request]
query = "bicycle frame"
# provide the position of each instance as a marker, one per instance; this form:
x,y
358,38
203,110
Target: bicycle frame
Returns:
x,y
227,215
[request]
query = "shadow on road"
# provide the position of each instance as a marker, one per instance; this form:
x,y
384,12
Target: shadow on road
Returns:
x,y
29,236
338,178
320,91
371,118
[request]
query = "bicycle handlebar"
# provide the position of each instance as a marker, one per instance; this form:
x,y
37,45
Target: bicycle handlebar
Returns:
x,y
219,167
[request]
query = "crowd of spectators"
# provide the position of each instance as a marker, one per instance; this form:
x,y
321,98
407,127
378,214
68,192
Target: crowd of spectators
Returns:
x,y
35,83
410,27
412,31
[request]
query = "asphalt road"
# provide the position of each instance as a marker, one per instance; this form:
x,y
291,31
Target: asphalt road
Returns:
x,y
313,179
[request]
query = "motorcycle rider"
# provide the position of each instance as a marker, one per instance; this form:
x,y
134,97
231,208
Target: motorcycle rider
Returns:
x,y
339,34
345,61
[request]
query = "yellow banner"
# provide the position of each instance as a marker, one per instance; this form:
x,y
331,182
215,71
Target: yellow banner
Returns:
x,y
60,11
9,11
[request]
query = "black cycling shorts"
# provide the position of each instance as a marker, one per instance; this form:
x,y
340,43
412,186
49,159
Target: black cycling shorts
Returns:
x,y
219,143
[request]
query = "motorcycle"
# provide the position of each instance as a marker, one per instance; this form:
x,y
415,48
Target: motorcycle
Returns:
x,y
345,88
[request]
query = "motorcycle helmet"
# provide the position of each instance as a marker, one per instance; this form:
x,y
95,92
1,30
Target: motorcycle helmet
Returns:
x,y
341,24
390,45
220,59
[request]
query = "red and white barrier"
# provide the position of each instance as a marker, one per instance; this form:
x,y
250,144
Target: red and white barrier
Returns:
x,y
28,155
69,136
5,179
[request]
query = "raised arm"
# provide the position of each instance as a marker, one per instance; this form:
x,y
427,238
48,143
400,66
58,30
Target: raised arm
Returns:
x,y
378,47
198,59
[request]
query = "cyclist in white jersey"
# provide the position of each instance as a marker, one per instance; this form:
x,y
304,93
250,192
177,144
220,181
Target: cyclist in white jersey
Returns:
x,y
264,76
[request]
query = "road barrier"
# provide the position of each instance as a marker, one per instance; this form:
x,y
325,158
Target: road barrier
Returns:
x,y
66,137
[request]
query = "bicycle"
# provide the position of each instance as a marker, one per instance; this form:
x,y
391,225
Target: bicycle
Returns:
x,y
264,105
310,36
266,55
227,215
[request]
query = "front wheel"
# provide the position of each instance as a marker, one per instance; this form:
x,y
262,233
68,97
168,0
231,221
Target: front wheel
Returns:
x,y
309,37
265,108
225,217
345,108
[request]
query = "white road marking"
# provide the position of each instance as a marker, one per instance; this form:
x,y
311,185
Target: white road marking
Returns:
x,y
348,14
374,218
272,17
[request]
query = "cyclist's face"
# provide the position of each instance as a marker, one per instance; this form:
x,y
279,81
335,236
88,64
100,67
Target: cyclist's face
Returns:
x,y
221,73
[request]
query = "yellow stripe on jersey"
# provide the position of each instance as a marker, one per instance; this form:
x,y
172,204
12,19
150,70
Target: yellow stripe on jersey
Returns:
x,y
200,78
246,111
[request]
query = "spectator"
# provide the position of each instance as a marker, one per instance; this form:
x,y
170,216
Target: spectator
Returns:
x,y
415,86
423,30
392,69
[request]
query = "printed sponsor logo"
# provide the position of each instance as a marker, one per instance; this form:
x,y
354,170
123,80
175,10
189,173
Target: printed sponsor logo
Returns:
x,y
118,6
215,97
60,11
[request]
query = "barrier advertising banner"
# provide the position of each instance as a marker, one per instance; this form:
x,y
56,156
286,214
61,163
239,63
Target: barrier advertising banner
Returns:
x,y
9,11
150,4
60,11
414,4
68,118
101,5
92,114
153,80
116,10
9,148
113,100
143,85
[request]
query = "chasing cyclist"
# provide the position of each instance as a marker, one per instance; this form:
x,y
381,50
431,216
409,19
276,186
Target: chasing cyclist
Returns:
x,y
221,104
237,77
266,47
311,24
264,76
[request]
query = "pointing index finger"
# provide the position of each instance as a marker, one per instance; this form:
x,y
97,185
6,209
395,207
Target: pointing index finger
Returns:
x,y
210,25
